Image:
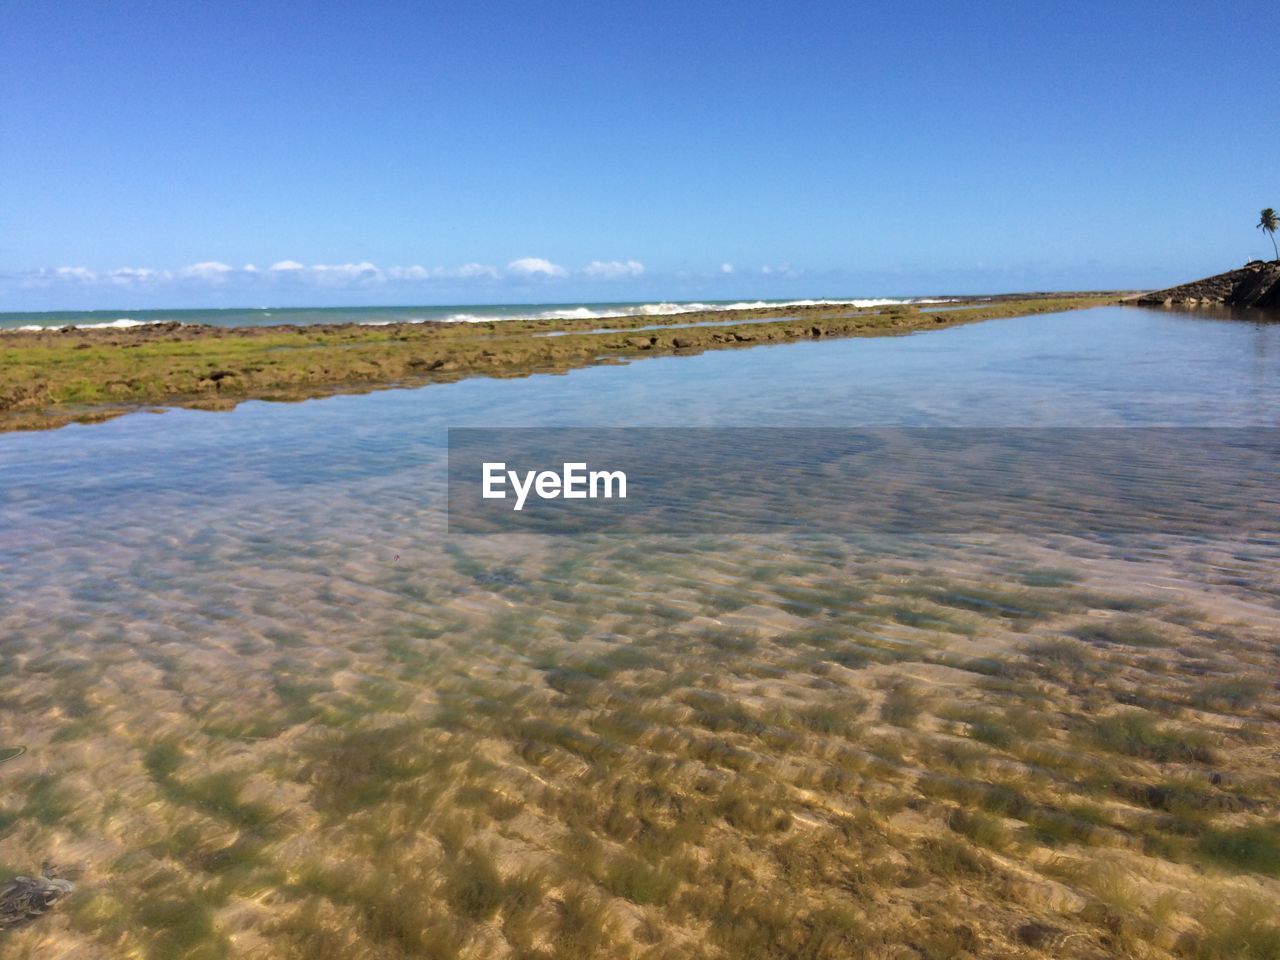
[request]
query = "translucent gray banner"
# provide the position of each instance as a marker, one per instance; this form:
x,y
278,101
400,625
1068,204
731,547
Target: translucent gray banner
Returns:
x,y
1178,481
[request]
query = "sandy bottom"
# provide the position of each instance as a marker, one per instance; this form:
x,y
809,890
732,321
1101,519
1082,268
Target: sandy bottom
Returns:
x,y
296,744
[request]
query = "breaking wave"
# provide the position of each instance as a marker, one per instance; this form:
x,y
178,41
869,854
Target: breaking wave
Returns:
x,y
666,309
120,324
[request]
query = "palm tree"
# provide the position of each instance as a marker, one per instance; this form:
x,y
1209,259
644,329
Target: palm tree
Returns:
x,y
1269,223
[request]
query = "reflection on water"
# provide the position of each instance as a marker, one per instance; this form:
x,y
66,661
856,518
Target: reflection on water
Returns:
x,y
253,674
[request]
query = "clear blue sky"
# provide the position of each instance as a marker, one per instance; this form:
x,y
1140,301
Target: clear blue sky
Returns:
x,y
492,152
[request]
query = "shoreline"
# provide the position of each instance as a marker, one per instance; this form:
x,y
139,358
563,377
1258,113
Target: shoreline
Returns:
x,y
57,376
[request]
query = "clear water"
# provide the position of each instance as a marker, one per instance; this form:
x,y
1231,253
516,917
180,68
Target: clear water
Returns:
x,y
164,575
366,471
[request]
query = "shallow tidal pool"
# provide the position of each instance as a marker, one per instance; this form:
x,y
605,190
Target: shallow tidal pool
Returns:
x,y
271,708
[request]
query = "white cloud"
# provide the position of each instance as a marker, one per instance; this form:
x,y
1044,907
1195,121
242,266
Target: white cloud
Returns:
x,y
340,273
45,276
468,270
613,269
328,274
207,270
536,267
726,268
77,274
293,274
408,273
127,276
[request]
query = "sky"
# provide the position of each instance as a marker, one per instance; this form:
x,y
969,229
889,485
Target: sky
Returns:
x,y
184,154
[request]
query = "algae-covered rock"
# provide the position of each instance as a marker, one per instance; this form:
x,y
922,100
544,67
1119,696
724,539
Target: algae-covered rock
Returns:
x,y
24,899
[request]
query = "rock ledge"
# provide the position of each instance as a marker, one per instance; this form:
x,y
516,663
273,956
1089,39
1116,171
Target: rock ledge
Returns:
x,y
1256,284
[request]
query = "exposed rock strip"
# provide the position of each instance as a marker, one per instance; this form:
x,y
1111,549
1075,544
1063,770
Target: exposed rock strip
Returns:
x,y
52,377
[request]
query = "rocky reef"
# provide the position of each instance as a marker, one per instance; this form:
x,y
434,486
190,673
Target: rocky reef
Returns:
x,y
1256,284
